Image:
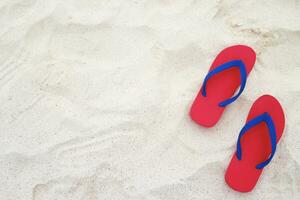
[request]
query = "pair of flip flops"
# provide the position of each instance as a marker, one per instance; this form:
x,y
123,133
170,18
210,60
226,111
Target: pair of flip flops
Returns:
x,y
257,140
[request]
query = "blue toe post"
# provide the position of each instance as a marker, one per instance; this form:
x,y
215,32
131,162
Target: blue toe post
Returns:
x,y
265,117
225,66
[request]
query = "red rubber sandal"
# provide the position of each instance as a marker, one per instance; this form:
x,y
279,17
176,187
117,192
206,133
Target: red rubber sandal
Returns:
x,y
256,144
228,71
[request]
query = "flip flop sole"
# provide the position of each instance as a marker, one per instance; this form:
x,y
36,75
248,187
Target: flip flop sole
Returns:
x,y
242,175
205,110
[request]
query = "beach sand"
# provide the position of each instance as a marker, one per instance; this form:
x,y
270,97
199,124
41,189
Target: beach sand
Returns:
x,y
95,97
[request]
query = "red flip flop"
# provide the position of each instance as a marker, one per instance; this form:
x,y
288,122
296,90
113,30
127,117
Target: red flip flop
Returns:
x,y
256,144
228,71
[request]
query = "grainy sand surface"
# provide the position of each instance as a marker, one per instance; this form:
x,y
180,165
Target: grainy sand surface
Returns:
x,y
95,97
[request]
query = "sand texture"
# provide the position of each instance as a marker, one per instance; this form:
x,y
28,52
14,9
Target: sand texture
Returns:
x,y
95,97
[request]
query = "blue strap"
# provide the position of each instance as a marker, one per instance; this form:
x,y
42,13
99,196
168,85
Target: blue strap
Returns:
x,y
265,117
228,65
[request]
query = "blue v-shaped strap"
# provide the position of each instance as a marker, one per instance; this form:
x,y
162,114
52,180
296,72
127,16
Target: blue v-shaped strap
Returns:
x,y
265,117
228,65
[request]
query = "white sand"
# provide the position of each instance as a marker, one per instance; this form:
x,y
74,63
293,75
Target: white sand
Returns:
x,y
95,97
